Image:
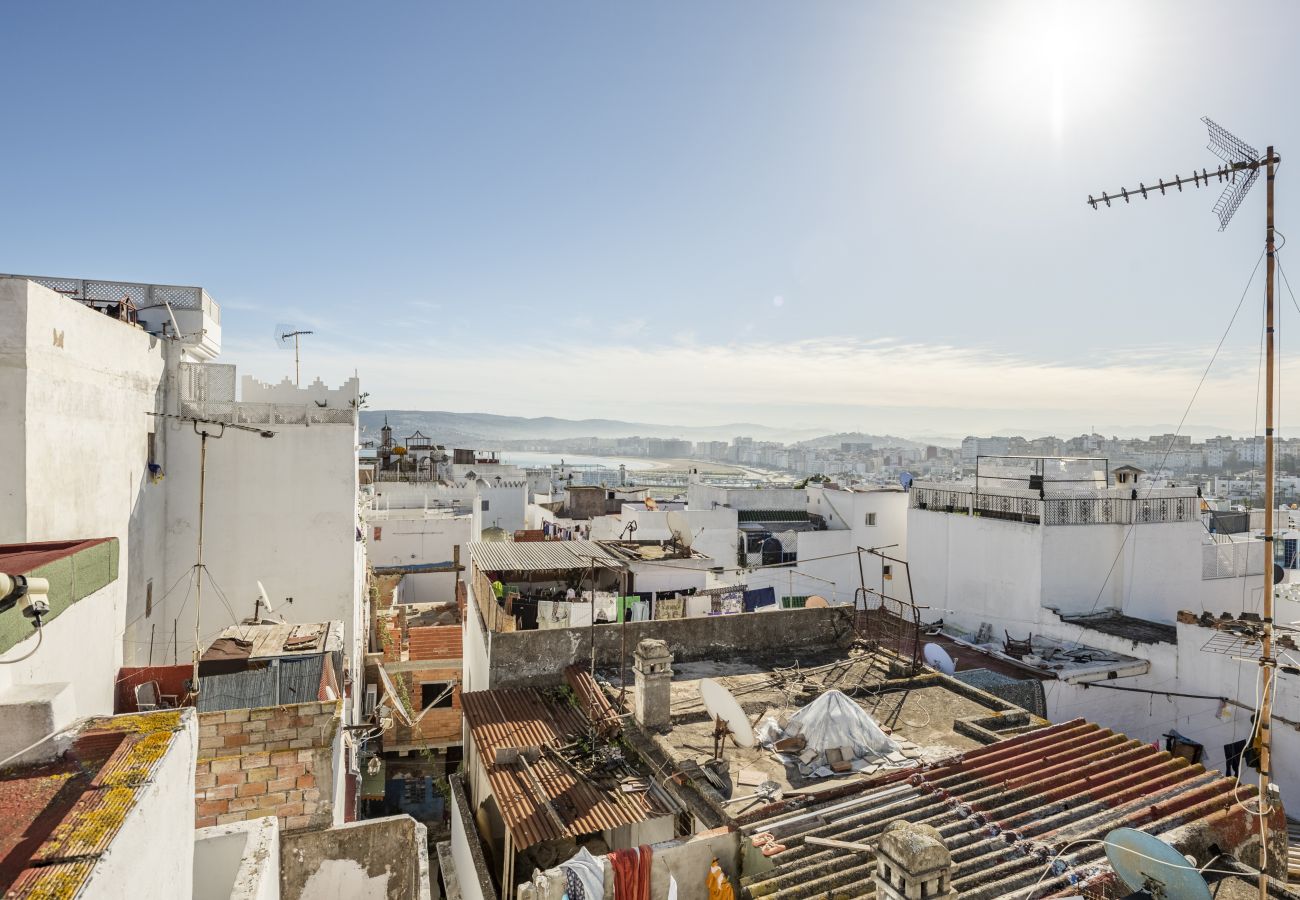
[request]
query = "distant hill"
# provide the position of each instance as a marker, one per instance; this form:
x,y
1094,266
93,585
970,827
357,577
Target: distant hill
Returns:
x,y
485,429
833,441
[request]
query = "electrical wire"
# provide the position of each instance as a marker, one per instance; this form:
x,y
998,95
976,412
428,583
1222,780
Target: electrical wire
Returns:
x,y
40,633
1177,431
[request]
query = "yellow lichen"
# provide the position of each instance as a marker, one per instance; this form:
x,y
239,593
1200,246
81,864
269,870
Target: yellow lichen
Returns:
x,y
162,720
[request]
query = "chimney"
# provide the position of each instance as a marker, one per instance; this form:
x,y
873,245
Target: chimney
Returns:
x,y
912,862
652,670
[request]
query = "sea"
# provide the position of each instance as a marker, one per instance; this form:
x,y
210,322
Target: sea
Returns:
x,y
529,459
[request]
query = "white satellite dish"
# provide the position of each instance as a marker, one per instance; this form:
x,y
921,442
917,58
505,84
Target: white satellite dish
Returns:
x,y
816,601
727,715
1147,864
937,658
680,525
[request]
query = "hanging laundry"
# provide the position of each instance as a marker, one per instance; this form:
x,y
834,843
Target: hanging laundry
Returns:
x,y
698,605
759,598
718,884
669,608
632,873
584,876
732,603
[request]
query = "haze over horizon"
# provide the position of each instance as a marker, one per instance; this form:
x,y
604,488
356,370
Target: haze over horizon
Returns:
x,y
749,212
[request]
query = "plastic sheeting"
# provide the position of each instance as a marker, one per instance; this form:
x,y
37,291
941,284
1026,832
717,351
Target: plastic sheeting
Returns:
x,y
834,721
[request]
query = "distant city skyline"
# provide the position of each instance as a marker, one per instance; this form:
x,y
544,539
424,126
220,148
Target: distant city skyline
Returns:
x,y
857,216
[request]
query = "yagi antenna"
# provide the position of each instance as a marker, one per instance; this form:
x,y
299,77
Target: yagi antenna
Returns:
x,y
1240,169
1241,165
286,335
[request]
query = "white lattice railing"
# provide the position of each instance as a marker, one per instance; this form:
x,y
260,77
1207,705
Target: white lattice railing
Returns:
x,y
1232,560
142,295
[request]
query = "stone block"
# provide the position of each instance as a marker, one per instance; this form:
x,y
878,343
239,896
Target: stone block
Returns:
x,y
254,760
224,764
252,789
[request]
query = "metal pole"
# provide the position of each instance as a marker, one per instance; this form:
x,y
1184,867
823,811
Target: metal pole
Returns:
x,y
1266,654
198,592
622,637
297,374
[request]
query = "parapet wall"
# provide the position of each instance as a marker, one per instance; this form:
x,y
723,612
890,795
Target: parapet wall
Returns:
x,y
275,761
533,658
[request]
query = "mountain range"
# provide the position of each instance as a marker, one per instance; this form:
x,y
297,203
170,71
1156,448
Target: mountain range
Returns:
x,y
485,429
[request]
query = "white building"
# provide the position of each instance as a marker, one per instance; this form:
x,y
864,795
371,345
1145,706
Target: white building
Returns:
x,y
103,443
1101,573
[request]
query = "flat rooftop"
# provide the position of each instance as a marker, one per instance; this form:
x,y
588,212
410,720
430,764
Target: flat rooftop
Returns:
x,y
930,716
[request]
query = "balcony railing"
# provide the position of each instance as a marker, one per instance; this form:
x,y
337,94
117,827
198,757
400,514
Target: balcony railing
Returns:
x,y
1098,509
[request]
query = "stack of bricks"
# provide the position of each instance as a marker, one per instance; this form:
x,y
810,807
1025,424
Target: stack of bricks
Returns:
x,y
275,761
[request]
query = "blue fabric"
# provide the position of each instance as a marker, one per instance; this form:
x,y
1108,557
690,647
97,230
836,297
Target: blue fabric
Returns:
x,y
761,597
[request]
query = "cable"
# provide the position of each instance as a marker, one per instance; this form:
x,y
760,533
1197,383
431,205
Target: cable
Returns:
x,y
40,633
1177,431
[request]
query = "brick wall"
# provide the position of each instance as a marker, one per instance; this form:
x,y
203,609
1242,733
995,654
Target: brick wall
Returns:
x,y
439,726
275,761
434,642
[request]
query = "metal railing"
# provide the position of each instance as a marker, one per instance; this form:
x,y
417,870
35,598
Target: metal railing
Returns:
x,y
1099,509
1232,560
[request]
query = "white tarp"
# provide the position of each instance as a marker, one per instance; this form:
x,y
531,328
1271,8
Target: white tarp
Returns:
x,y
834,721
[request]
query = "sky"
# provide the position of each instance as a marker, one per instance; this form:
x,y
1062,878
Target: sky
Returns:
x,y
858,216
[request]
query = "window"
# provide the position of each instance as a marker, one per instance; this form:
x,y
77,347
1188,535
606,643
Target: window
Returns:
x,y
485,506
871,518
148,596
149,448
429,693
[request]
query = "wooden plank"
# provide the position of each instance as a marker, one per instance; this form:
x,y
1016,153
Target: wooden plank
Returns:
x,y
839,845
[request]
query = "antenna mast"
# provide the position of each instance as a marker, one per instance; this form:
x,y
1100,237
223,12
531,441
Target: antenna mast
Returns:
x,y
1241,166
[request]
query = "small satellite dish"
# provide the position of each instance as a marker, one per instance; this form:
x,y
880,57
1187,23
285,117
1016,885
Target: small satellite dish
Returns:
x,y
937,658
263,599
727,714
680,525
1147,864
1279,574
905,479
815,602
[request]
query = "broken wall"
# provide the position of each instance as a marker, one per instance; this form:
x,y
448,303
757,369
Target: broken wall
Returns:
x,y
378,859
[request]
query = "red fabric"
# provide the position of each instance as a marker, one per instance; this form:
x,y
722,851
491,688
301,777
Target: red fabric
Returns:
x,y
632,873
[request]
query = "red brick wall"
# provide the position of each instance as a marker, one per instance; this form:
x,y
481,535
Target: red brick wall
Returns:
x,y
275,761
434,642
438,726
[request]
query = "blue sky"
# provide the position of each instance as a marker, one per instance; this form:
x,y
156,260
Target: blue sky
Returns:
x,y
856,215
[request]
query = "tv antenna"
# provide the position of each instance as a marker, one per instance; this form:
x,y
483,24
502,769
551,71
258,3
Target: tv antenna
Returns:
x,y
283,335
728,716
1240,168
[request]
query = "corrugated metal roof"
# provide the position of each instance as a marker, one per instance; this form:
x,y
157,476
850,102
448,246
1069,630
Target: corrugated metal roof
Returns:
x,y
540,556
297,680
1006,809
568,803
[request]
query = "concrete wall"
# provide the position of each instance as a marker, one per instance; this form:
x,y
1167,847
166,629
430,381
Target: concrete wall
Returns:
x,y
404,537
428,587
239,861
974,570
144,860
708,496
282,511
76,388
531,658
378,859
472,873
279,761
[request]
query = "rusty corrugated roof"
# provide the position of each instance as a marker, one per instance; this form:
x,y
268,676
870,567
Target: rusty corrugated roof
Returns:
x,y
547,799
1005,810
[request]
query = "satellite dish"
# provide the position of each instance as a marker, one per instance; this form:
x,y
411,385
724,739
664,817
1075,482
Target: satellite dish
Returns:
x,y
680,525
1146,863
905,479
262,598
1279,574
815,602
727,714
937,658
